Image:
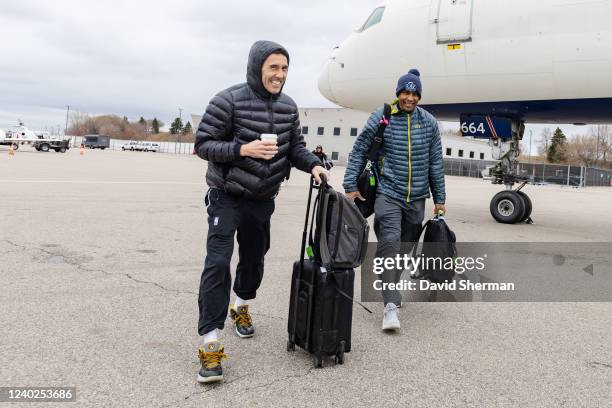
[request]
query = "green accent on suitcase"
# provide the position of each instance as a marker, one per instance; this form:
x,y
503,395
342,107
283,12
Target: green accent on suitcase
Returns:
x,y
372,180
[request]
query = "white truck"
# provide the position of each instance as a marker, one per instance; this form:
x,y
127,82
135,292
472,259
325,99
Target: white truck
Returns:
x,y
41,141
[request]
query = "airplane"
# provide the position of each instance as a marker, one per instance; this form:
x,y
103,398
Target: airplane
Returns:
x,y
493,65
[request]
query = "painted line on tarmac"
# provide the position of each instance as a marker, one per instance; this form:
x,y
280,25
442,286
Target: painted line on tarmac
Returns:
x,y
103,182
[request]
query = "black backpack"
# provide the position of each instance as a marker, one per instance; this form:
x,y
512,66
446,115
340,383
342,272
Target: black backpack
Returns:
x,y
367,183
439,243
341,237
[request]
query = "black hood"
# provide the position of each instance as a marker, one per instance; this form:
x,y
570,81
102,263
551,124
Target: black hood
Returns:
x,y
261,50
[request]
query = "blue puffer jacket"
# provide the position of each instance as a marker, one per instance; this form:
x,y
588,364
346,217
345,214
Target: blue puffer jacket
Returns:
x,y
411,163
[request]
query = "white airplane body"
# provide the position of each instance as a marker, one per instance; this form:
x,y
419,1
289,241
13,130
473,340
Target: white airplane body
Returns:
x,y
545,61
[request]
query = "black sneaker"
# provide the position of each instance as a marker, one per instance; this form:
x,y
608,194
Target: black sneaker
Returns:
x,y
243,325
211,357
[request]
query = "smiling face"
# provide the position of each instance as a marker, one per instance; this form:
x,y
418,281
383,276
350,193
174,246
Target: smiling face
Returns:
x,y
274,73
408,100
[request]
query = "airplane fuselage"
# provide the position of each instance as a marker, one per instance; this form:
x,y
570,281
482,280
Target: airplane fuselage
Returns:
x,y
547,61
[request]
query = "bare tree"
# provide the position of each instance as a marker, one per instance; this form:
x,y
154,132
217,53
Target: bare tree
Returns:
x,y
602,134
544,141
582,150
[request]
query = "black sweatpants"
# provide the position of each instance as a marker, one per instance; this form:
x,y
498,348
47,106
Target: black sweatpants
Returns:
x,y
226,215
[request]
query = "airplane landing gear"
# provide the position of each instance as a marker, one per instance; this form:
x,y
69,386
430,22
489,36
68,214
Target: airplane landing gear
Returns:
x,y
509,206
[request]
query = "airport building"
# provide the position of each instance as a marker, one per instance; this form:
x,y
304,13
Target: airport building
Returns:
x,y
337,128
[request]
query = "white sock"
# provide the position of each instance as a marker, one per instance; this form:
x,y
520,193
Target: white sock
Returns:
x,y
240,302
211,336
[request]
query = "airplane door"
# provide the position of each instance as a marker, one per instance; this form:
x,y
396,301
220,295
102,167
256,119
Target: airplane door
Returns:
x,y
454,21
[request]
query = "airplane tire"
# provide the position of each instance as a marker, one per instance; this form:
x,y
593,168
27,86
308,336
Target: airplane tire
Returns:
x,y
528,206
44,147
507,207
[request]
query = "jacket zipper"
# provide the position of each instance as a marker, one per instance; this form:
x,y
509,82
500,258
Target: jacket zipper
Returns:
x,y
409,160
271,117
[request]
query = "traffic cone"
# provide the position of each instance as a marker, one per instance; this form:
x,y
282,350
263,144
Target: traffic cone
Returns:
x,y
82,150
11,150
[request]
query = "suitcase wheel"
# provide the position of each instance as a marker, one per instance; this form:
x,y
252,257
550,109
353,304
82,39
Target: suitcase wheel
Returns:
x,y
339,359
317,361
290,345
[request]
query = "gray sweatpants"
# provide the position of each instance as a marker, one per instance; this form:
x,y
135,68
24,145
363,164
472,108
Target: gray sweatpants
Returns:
x,y
397,225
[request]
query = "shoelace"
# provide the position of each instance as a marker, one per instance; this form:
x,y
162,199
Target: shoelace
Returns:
x,y
243,319
211,359
388,310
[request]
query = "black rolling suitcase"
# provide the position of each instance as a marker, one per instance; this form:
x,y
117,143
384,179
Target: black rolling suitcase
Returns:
x,y
320,308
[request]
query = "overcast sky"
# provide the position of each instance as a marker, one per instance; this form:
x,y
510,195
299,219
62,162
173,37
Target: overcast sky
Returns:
x,y
146,58
150,58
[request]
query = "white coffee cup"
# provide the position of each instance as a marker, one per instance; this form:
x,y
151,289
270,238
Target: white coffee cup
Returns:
x,y
269,136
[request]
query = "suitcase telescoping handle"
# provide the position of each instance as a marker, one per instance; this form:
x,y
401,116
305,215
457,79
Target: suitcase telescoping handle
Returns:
x,y
322,186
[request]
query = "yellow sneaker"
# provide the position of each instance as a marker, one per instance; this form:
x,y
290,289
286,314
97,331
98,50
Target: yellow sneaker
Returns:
x,y
243,324
210,357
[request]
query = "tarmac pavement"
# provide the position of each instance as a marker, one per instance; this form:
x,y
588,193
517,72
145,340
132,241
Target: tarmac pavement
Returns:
x,y
100,268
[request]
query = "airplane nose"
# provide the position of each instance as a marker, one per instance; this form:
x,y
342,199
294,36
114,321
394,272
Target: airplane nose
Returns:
x,y
325,83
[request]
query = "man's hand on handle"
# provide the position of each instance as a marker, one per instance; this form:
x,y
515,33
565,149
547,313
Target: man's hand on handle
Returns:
x,y
259,149
353,195
438,208
317,171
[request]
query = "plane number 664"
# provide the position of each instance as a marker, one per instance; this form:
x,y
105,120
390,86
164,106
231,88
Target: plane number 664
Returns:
x,y
472,128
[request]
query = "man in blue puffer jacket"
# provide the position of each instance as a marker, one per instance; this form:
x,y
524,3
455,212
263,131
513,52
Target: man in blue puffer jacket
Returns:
x,y
410,165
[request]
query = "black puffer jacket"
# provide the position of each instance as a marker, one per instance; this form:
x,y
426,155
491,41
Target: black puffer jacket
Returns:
x,y
239,115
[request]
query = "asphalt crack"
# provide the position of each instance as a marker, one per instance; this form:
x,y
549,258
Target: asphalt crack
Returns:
x,y
23,248
598,364
278,380
72,261
187,292
224,384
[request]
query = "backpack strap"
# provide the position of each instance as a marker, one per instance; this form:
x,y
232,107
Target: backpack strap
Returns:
x,y
326,259
379,136
416,243
338,225
346,295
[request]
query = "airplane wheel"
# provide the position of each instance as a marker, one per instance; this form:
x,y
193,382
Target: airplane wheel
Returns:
x,y
44,147
15,146
528,206
507,207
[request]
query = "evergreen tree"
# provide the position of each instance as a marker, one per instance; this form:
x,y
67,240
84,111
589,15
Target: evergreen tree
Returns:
x,y
187,130
177,126
142,121
155,126
557,152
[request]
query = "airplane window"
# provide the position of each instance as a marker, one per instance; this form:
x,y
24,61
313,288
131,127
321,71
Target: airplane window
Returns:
x,y
373,19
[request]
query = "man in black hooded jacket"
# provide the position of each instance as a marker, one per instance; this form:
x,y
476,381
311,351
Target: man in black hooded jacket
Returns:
x,y
244,174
